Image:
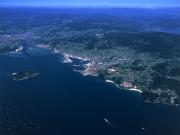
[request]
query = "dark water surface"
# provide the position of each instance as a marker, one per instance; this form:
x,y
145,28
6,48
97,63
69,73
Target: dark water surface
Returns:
x,y
62,102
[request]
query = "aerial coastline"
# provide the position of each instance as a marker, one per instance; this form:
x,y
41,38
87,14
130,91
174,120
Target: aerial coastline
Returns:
x,y
139,55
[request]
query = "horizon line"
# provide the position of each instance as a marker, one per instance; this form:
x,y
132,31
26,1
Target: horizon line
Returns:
x,y
77,5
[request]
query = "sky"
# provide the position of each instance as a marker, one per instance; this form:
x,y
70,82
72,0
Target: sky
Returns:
x,y
123,3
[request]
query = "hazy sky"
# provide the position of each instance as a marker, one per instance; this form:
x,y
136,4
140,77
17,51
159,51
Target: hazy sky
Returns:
x,y
93,2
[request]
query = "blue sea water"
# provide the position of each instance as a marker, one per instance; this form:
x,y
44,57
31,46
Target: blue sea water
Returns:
x,y
63,102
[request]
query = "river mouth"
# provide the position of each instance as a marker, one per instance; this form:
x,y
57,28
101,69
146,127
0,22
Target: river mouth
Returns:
x,y
61,101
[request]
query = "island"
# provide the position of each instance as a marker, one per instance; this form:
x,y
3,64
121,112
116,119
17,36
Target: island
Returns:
x,y
19,76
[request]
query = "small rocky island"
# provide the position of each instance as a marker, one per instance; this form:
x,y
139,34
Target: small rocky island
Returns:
x,y
24,75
